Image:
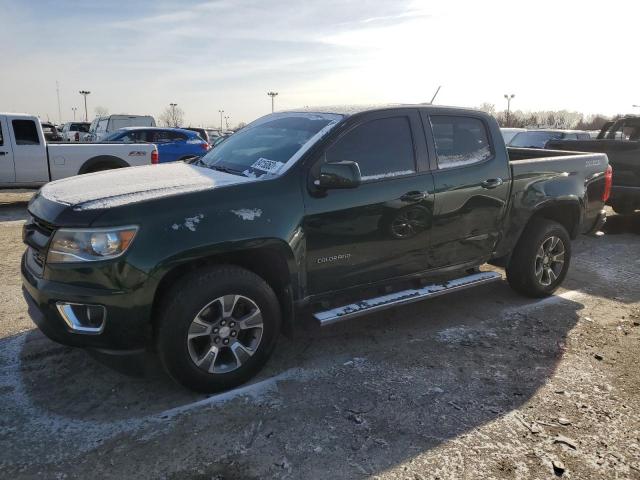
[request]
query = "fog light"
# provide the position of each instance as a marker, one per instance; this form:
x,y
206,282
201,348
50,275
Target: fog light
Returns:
x,y
82,318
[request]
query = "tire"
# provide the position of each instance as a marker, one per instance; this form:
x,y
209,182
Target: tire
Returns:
x,y
198,298
527,272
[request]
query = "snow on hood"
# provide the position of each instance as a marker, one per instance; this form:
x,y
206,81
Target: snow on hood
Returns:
x,y
135,184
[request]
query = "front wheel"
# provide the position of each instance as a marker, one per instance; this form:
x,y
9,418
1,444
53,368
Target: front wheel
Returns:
x,y
218,328
540,260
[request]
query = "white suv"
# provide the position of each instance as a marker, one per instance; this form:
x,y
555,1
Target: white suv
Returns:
x,y
103,126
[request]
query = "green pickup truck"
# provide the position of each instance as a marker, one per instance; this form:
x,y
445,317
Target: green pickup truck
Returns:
x,y
340,211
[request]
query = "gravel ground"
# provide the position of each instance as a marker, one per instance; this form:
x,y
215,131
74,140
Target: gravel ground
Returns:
x,y
478,384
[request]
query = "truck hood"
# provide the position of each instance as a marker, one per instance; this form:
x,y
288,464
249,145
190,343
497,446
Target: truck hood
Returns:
x,y
125,186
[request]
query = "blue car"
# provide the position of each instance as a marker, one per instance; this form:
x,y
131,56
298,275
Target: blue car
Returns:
x,y
173,143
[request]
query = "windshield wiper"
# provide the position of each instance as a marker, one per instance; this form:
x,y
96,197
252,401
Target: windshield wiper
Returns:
x,y
220,168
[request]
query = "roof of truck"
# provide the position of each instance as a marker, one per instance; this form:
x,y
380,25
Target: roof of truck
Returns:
x,y
348,110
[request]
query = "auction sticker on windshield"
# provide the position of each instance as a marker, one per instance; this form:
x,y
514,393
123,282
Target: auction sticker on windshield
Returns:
x,y
266,165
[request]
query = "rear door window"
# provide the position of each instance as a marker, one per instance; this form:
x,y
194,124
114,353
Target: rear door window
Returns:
x,y
26,132
382,148
460,141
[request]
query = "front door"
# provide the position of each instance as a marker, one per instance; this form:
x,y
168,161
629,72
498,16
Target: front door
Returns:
x,y
380,229
7,167
472,179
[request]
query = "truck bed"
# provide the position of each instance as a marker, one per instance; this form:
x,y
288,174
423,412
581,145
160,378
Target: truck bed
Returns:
x,y
537,172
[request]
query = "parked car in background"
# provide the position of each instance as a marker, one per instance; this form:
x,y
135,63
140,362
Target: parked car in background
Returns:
x,y
620,140
51,133
200,131
343,211
509,133
28,160
219,140
101,127
173,143
213,134
74,131
539,138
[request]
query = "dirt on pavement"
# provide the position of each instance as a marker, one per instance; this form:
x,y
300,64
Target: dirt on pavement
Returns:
x,y
478,384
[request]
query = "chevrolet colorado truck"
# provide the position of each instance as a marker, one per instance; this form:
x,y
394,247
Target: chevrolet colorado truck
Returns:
x,y
27,160
620,140
344,212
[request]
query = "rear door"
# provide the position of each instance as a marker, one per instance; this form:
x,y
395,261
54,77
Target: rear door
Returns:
x,y
472,178
7,167
29,151
380,229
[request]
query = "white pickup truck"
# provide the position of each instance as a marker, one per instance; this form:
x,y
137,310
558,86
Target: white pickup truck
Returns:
x,y
26,160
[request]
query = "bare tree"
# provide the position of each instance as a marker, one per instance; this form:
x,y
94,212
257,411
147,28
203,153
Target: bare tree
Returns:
x,y
101,111
489,108
172,116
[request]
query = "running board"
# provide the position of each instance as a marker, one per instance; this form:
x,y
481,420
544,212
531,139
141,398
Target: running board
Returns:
x,y
402,298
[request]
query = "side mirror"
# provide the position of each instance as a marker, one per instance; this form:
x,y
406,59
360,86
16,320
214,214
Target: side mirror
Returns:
x,y
339,175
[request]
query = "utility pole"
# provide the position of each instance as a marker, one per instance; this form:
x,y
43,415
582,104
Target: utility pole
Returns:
x,y
74,112
84,93
221,126
273,95
173,114
509,98
226,121
59,109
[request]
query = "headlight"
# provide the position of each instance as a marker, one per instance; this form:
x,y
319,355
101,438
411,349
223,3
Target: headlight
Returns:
x,y
88,245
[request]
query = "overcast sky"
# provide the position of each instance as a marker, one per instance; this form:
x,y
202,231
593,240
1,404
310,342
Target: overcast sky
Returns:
x,y
138,56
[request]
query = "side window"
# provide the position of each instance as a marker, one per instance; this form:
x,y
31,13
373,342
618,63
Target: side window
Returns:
x,y
1,137
133,136
102,125
25,132
382,148
161,136
460,141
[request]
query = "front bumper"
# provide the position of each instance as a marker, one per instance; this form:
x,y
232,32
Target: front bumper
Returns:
x,y
126,327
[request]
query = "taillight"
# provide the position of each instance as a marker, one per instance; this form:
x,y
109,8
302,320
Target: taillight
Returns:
x,y
205,146
77,136
155,158
608,181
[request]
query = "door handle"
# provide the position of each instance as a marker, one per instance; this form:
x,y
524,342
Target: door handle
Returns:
x,y
3,153
492,183
413,196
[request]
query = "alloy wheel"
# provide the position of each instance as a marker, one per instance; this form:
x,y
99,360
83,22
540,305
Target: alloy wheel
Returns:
x,y
225,334
549,261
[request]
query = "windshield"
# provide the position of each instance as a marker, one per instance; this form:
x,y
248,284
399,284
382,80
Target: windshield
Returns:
x,y
268,144
534,139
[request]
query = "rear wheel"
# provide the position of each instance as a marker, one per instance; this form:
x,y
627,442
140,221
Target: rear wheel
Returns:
x,y
218,328
540,260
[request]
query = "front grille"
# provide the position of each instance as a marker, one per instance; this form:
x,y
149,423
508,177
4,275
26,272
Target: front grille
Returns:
x,y
37,234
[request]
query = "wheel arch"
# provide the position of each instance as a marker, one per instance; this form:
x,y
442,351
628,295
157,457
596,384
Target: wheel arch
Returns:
x,y
102,162
269,260
567,213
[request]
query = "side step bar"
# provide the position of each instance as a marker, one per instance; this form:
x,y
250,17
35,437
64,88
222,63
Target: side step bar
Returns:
x,y
371,305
